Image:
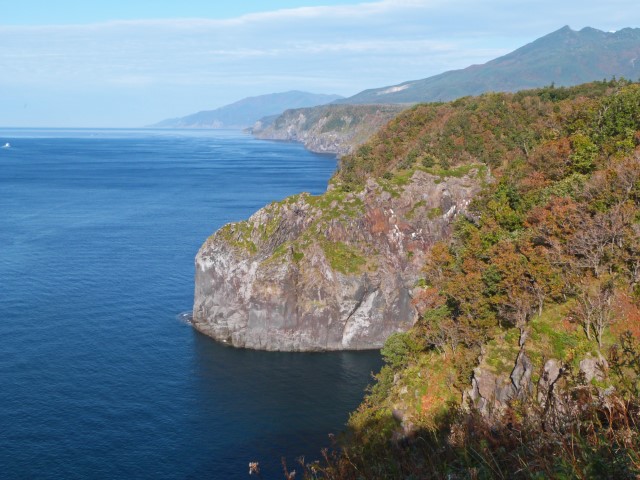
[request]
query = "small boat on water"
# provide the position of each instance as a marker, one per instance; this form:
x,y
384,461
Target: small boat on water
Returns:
x,y
6,145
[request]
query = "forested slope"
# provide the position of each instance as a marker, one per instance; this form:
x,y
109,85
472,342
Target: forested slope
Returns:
x,y
525,360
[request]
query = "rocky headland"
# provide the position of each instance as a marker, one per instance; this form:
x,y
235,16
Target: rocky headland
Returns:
x,y
334,129
329,272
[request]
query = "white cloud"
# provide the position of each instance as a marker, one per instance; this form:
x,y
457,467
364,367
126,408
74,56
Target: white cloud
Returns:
x,y
203,63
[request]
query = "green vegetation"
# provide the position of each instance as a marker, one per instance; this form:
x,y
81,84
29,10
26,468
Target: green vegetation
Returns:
x,y
494,130
547,264
268,228
343,258
457,172
434,213
415,208
336,203
238,235
280,254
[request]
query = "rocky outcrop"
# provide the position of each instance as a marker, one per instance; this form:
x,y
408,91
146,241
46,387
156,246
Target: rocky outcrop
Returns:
x,y
594,368
334,129
328,272
491,392
550,375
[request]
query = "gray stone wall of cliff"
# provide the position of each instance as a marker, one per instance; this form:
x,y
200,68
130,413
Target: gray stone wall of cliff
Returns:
x,y
332,272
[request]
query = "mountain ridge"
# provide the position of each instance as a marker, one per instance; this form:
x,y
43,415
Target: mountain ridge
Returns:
x,y
247,111
596,55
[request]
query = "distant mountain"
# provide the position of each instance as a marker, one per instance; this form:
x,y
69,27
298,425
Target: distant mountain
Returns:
x,y
246,112
564,57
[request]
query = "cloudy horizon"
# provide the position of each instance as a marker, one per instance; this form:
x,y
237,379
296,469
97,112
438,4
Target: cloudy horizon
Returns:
x,y
123,68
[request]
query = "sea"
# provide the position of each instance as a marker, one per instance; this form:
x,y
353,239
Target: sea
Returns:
x,y
101,376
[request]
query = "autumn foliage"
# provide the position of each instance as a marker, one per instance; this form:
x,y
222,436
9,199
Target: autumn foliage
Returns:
x,y
556,227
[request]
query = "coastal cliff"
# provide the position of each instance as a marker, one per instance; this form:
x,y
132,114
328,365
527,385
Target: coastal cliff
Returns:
x,y
495,243
334,129
329,272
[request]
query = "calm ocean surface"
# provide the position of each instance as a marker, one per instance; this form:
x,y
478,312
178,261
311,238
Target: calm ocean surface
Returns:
x,y
99,378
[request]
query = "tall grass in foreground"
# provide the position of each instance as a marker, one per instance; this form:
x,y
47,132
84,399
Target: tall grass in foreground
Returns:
x,y
584,434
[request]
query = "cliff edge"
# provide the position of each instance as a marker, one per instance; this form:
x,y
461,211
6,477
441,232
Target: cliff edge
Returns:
x,y
328,272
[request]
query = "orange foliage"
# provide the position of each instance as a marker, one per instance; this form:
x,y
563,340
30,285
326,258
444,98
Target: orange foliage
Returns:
x,y
627,316
426,299
551,158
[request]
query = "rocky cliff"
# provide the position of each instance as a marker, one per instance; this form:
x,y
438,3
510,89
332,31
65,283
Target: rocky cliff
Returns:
x,y
327,272
335,129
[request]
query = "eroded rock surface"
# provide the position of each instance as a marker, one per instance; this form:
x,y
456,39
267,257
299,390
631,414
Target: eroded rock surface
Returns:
x,y
328,272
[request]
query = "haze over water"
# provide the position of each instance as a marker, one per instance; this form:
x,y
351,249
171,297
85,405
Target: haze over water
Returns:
x,y
99,378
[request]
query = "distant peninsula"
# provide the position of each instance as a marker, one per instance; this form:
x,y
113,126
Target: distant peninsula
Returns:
x,y
246,112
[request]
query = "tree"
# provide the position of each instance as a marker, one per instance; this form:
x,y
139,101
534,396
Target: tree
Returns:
x,y
399,349
594,309
590,242
517,299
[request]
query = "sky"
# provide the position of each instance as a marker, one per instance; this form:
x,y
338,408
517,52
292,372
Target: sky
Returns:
x,y
131,63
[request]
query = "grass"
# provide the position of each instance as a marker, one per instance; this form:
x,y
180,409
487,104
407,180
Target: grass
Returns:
x,y
238,236
393,183
501,353
343,258
456,172
434,213
402,177
280,253
335,203
552,335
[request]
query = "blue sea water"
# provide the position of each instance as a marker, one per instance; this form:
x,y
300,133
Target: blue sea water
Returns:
x,y
99,377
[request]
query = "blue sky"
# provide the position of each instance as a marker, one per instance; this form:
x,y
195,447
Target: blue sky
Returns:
x,y
132,63
44,12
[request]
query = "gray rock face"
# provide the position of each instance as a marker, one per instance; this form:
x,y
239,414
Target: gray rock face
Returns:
x,y
332,272
594,368
550,375
521,375
490,392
